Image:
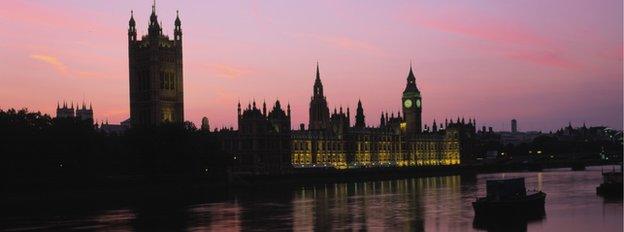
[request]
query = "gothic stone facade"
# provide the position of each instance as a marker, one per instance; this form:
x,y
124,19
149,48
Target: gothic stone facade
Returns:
x,y
331,141
156,93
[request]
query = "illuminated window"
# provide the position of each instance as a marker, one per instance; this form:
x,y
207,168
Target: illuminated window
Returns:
x,y
167,115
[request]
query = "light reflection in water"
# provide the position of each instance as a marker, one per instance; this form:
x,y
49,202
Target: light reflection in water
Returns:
x,y
414,204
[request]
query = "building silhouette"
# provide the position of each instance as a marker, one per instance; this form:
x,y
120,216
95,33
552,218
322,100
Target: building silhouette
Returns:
x,y
514,126
156,76
261,145
79,112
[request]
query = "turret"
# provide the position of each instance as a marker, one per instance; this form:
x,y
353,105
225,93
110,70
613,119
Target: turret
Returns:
x,y
154,28
239,109
132,34
382,121
177,32
288,110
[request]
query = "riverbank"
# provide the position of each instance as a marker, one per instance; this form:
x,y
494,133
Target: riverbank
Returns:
x,y
317,175
233,181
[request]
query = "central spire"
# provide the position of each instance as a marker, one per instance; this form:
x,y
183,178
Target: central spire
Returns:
x,y
318,85
318,73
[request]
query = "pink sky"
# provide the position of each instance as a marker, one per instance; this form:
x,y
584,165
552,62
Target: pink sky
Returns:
x,y
544,63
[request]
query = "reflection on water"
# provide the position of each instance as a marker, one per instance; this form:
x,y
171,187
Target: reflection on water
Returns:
x,y
416,204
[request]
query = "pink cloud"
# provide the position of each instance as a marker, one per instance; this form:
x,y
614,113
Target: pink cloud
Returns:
x,y
615,53
63,70
465,22
342,42
59,66
546,58
508,39
486,30
229,71
38,14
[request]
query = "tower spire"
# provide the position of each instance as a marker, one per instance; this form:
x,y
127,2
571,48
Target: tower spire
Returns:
x,y
359,115
411,81
318,73
318,85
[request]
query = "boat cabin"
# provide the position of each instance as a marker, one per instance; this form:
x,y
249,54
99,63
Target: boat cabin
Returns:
x,y
505,189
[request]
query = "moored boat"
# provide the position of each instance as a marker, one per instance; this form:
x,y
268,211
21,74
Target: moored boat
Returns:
x,y
611,184
508,199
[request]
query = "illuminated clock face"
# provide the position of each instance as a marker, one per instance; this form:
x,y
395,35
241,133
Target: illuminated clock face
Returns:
x,y
407,103
418,103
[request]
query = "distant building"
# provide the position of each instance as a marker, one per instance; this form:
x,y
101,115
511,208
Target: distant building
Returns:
x,y
262,143
156,77
585,133
516,138
80,112
65,111
514,126
113,128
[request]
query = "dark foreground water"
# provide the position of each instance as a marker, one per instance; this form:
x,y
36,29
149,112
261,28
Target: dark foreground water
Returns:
x,y
416,204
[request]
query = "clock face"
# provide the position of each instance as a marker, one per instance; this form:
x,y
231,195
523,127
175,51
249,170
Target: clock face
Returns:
x,y
418,103
407,103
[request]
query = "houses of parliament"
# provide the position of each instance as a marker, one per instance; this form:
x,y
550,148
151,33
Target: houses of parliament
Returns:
x,y
265,141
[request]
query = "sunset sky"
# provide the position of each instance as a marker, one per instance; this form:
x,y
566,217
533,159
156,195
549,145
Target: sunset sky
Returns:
x,y
545,63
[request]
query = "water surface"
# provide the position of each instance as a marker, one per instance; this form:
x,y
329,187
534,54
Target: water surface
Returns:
x,y
414,204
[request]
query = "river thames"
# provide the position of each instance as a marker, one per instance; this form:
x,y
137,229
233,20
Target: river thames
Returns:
x,y
414,204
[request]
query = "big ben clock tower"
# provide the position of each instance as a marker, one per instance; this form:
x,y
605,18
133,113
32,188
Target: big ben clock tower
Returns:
x,y
412,105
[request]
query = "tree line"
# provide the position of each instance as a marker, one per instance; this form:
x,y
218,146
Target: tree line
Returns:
x,y
35,147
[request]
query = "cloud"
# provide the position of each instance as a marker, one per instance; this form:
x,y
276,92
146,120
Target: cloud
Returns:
x,y
486,30
54,16
59,66
615,53
470,23
503,37
64,70
342,42
546,58
228,71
